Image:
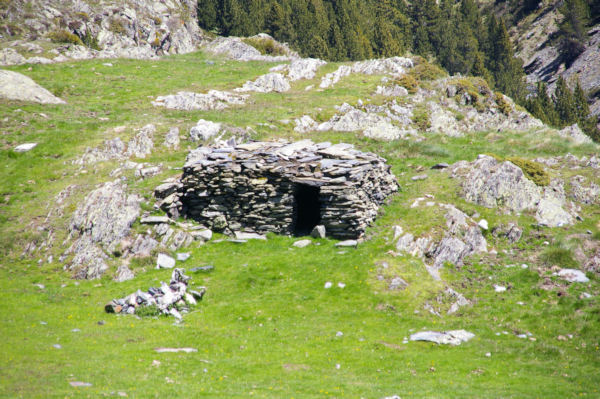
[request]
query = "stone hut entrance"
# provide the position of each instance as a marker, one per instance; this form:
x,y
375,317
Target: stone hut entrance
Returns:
x,y
307,208
279,187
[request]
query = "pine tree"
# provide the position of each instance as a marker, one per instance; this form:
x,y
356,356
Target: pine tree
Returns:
x,y
479,69
582,108
572,31
564,102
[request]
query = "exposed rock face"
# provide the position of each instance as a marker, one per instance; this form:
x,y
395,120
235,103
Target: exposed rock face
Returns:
x,y
112,149
372,124
575,134
305,124
10,56
172,138
141,144
121,29
394,66
267,83
495,184
100,223
189,101
204,130
304,68
491,183
539,51
462,238
280,187
235,49
333,77
583,194
14,86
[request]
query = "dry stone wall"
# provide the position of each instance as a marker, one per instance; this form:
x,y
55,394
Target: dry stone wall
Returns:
x,y
286,188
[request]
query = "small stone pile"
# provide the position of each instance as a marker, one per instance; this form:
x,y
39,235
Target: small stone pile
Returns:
x,y
267,186
166,298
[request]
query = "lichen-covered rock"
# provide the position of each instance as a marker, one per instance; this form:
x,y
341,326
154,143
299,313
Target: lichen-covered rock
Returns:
x,y
581,193
98,226
495,184
304,68
112,149
332,78
119,29
141,144
15,86
9,56
204,130
373,125
491,183
172,138
235,49
305,124
266,84
574,133
462,238
189,101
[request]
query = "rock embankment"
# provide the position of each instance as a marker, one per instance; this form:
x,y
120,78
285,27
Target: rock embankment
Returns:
x,y
139,29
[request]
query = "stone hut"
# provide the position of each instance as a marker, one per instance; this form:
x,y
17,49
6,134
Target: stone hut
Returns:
x,y
286,188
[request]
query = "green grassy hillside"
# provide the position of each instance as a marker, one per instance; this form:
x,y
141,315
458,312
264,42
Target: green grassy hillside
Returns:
x,y
267,327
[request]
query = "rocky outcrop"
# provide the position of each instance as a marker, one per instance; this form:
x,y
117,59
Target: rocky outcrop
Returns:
x,y
462,238
304,68
394,66
98,226
538,48
189,101
204,130
282,188
140,146
575,134
494,184
372,124
14,86
124,29
234,48
267,83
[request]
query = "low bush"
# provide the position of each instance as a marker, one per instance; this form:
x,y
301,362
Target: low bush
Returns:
x,y
427,71
63,36
408,82
534,170
265,46
503,105
117,26
421,119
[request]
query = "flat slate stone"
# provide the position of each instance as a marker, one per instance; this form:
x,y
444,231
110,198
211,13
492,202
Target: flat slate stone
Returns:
x,y
573,276
241,235
165,262
25,147
302,243
454,337
175,350
347,243
155,220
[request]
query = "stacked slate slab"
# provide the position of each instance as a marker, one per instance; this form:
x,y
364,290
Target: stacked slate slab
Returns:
x,y
260,187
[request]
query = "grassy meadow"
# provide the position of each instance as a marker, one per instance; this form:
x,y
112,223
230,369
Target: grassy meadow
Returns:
x,y
267,327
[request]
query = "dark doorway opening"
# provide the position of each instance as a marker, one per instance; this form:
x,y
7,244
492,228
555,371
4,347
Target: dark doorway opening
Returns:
x,y
307,209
